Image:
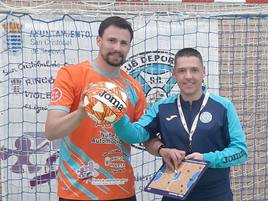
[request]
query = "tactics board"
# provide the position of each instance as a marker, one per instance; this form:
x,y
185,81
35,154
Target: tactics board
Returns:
x,y
177,184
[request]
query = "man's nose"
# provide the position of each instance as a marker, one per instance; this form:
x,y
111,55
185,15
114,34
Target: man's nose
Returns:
x,y
188,74
117,46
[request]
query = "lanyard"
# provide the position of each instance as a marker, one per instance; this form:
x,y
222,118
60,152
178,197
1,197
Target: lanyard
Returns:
x,y
183,121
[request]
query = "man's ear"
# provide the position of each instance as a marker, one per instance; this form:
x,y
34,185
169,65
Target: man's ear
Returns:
x,y
173,71
98,40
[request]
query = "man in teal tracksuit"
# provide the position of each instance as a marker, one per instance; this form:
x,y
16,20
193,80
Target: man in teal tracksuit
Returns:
x,y
192,125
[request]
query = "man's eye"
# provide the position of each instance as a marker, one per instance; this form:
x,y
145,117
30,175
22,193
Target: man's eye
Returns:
x,y
112,40
124,43
180,70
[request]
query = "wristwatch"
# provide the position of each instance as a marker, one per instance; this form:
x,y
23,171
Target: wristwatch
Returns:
x,y
160,147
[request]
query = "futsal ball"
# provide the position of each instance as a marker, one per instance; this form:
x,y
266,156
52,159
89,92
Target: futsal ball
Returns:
x,y
105,102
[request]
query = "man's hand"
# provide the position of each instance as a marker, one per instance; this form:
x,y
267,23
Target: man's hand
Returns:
x,y
195,155
81,108
172,157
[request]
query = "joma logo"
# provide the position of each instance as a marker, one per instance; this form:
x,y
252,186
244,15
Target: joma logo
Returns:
x,y
112,100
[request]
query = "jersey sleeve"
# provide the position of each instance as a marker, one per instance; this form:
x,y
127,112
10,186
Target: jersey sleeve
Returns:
x,y
139,131
141,103
63,91
237,151
130,133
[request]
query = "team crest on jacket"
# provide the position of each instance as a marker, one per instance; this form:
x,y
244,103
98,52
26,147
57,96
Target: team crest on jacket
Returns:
x,y
153,69
205,117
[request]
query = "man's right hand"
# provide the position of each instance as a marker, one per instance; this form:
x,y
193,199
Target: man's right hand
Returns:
x,y
172,157
81,108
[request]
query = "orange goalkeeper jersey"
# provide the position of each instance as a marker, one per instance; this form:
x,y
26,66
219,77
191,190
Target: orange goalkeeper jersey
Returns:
x,y
94,163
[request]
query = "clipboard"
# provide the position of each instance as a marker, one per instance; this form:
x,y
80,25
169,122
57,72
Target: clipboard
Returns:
x,y
178,184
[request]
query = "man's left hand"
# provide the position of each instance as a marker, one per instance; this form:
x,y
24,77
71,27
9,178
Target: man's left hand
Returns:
x,y
172,157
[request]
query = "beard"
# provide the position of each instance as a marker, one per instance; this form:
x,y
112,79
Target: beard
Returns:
x,y
115,59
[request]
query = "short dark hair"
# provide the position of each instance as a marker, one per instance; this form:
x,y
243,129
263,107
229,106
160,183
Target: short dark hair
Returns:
x,y
188,52
115,21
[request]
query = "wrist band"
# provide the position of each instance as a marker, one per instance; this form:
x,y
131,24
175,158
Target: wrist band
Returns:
x,y
160,147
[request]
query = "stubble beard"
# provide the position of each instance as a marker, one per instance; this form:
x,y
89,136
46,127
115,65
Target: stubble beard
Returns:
x,y
114,62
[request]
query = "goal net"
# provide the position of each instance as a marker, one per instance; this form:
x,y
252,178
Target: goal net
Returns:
x,y
38,37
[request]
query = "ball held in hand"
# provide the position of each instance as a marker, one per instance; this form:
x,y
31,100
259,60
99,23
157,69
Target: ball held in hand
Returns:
x,y
105,102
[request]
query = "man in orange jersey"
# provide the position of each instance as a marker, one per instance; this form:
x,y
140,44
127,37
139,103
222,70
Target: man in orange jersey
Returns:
x,y
94,163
